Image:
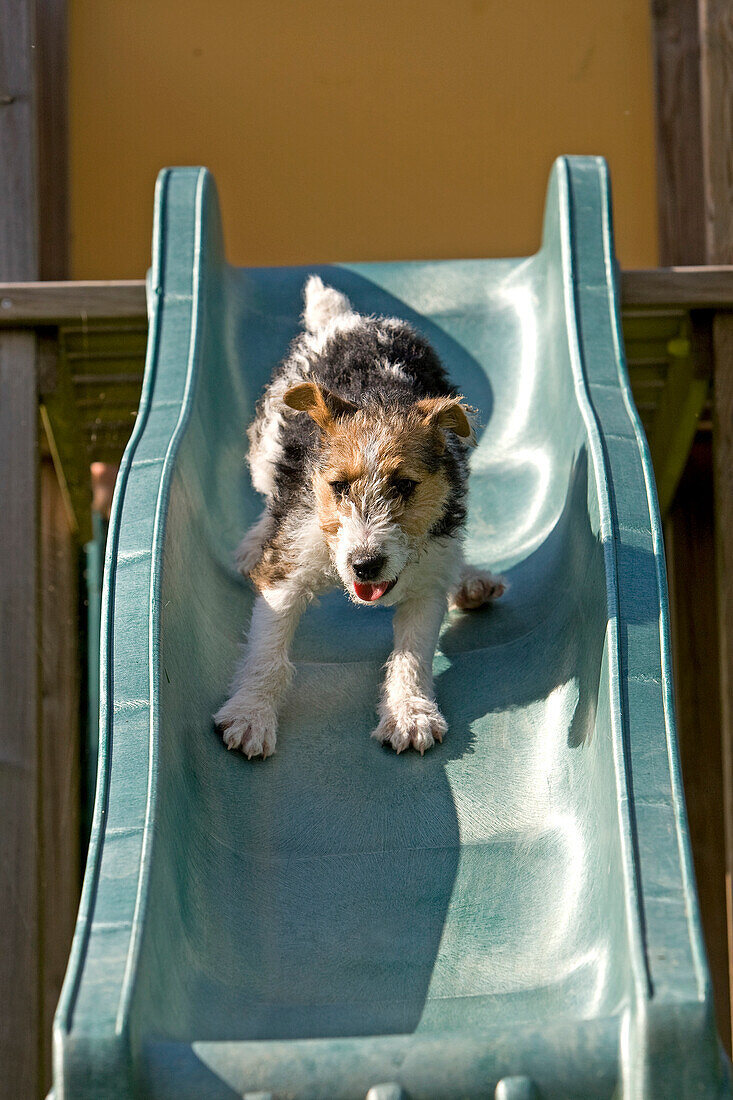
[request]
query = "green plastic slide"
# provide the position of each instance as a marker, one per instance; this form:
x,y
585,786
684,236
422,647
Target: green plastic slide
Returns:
x,y
512,915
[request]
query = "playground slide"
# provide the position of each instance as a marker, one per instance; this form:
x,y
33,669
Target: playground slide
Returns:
x,y
512,915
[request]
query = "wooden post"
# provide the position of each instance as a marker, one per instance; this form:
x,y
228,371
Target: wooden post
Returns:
x,y
716,81
716,73
690,544
681,213
723,436
38,606
53,135
59,763
686,163
20,1008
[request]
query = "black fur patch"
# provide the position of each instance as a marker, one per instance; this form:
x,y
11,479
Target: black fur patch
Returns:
x,y
455,468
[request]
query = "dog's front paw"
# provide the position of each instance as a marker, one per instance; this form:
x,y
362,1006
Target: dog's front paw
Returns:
x,y
419,724
251,729
477,588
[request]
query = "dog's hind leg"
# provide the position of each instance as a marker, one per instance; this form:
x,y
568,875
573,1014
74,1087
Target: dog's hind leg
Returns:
x,y
250,549
248,720
475,588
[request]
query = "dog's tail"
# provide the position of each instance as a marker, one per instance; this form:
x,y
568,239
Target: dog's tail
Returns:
x,y
323,304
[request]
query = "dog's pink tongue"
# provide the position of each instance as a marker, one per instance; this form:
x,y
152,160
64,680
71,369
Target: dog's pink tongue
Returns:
x,y
370,592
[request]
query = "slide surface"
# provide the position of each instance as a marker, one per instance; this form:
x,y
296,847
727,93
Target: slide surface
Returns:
x,y
511,915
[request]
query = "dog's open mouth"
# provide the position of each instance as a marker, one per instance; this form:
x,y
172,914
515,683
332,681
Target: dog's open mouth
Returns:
x,y
370,593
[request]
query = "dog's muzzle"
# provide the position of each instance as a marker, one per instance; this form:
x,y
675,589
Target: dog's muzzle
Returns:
x,y
366,568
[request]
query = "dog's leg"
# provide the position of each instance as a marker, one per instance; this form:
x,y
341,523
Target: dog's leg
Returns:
x,y
248,721
408,712
250,548
475,588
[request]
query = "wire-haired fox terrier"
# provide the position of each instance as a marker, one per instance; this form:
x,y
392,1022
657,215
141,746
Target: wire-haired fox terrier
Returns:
x,y
359,445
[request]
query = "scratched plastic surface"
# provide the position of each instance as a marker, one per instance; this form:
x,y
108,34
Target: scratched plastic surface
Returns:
x,y
512,915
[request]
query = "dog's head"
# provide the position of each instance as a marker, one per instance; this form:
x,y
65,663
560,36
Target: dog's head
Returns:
x,y
380,480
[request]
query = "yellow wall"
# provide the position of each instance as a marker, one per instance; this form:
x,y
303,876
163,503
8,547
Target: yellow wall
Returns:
x,y
355,130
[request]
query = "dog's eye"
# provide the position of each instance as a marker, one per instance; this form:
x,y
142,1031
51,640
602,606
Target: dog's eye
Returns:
x,y
340,488
404,487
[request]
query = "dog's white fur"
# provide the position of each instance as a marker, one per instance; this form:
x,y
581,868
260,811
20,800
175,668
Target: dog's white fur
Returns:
x,y
428,575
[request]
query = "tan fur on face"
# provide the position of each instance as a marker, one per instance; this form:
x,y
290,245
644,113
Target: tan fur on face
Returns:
x,y
370,452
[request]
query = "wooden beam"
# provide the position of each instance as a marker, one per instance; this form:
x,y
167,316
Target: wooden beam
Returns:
x,y
28,305
33,305
685,287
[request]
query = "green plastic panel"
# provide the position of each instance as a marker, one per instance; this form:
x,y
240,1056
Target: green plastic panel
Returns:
x,y
512,915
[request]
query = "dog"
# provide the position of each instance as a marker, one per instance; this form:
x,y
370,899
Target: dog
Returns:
x,y
360,447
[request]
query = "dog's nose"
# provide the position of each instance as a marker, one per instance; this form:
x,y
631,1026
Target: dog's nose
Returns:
x,y
367,569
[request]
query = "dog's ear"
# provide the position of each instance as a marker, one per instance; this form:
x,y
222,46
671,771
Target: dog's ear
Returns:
x,y
321,404
448,413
